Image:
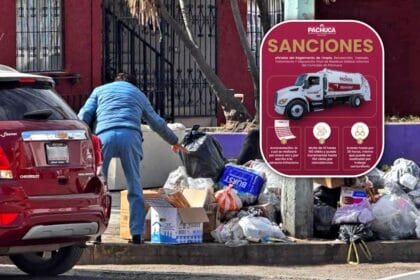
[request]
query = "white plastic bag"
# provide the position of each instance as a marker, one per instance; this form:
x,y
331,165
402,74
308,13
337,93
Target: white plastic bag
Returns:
x,y
258,228
229,232
395,217
200,183
354,213
177,179
272,187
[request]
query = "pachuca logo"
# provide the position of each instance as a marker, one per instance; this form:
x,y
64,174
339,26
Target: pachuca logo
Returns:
x,y
321,30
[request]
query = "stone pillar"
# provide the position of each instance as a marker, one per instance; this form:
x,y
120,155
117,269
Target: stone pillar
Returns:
x,y
299,9
297,207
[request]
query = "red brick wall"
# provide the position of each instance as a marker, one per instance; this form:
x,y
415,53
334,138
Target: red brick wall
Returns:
x,y
397,22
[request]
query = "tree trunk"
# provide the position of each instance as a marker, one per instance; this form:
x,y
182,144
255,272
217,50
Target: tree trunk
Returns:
x,y
232,106
264,15
248,53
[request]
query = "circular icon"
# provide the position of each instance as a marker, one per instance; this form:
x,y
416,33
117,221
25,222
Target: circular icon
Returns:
x,y
322,131
360,131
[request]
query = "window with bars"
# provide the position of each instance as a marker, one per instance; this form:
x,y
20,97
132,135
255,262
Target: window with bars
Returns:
x,y
39,35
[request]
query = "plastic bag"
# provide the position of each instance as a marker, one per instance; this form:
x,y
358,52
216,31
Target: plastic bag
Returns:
x,y
230,232
323,216
257,228
399,169
395,217
205,158
327,195
354,213
271,191
228,200
355,232
273,181
267,197
200,183
415,197
418,227
177,179
246,181
376,176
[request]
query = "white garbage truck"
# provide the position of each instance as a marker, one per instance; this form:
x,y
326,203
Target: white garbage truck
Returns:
x,y
316,91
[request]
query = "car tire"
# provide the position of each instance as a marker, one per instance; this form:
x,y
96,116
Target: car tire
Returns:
x,y
295,109
59,262
355,101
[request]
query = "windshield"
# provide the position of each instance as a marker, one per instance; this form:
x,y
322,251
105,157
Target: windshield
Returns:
x,y
300,79
15,102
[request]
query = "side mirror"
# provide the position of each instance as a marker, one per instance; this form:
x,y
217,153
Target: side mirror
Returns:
x,y
306,84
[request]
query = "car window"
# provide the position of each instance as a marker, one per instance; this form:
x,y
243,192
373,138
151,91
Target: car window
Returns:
x,y
15,102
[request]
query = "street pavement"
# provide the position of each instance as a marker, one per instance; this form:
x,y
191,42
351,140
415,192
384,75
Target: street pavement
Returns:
x,y
182,272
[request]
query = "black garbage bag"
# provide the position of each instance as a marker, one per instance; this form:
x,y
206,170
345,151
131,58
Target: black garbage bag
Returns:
x,y
205,158
327,195
355,233
323,215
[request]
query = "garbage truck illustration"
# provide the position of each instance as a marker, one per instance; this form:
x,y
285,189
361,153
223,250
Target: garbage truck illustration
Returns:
x,y
320,90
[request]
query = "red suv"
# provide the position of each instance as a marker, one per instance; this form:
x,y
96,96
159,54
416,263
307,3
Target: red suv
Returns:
x,y
52,200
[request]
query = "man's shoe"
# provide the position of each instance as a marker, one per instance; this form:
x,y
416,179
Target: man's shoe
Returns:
x,y
136,239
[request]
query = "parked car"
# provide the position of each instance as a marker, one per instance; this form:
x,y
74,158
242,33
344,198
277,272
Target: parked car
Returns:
x,y
52,198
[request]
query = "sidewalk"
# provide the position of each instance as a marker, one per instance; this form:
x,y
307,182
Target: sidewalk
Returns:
x,y
114,250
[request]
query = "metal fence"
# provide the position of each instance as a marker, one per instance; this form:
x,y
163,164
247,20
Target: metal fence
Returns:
x,y
39,35
254,28
163,65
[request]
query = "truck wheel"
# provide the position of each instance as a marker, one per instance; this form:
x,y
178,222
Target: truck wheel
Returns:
x,y
48,263
296,109
355,101
329,102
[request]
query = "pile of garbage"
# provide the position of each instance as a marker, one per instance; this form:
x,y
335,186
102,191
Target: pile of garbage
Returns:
x,y
248,196
381,205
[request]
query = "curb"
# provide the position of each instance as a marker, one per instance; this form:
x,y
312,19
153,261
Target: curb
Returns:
x,y
310,253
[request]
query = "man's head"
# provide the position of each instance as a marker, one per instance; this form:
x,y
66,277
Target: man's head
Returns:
x,y
126,77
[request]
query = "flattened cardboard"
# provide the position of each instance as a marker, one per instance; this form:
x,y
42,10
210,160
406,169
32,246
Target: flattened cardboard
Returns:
x,y
154,198
193,215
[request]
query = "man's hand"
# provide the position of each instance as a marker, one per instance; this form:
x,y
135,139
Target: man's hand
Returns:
x,y
178,148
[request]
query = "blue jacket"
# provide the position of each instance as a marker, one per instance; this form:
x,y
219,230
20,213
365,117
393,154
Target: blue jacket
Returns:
x,y
121,105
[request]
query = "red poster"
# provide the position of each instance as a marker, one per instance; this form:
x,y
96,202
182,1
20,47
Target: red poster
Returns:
x,y
322,99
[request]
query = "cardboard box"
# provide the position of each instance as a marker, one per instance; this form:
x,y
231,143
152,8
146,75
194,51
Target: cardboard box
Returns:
x,y
213,214
350,196
198,197
334,182
244,180
125,219
177,225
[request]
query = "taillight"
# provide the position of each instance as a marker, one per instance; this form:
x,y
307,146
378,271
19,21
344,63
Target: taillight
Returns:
x,y
97,149
7,219
27,81
5,170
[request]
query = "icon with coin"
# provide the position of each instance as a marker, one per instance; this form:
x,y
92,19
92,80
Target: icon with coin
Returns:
x,y
322,131
359,131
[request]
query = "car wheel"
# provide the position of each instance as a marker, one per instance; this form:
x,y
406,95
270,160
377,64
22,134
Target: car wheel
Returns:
x,y
296,109
355,101
48,263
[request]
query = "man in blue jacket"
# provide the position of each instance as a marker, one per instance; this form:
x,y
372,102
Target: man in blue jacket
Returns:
x,y
118,109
